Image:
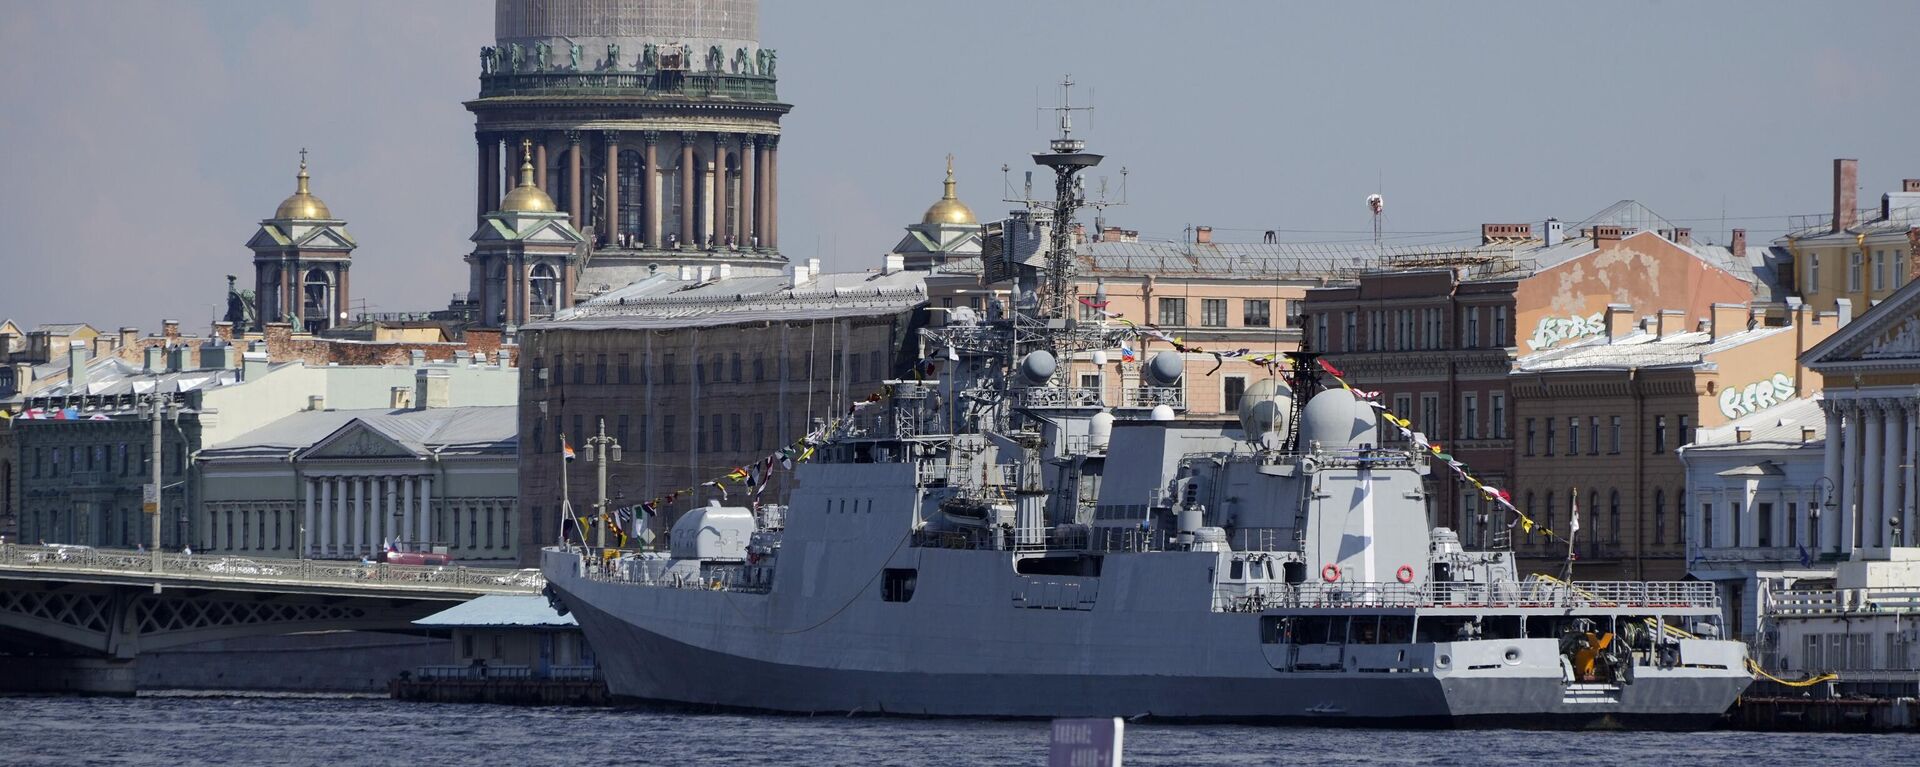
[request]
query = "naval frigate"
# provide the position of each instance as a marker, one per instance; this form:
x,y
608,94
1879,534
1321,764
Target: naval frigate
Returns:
x,y
992,542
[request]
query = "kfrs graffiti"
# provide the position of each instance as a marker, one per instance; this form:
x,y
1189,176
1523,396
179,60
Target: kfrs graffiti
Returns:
x,y
1553,330
1755,397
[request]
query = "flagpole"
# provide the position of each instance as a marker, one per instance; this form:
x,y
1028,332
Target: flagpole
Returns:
x,y
1573,528
566,502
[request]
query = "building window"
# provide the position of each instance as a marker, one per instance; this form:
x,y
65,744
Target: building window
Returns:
x,y
1706,525
1430,411
734,364
1685,437
1547,520
580,368
579,429
733,424
1763,524
1853,271
1659,434
667,441
1232,389
1472,338
1680,507
1500,327
1529,436
624,372
1659,515
715,424
1257,313
1813,272
620,431
1735,521
759,431
1173,311
1470,416
1353,332
1320,334
1213,312
1497,404
1573,435
666,369
1296,313
759,368
1613,516
1793,523
600,369
1613,437
1899,267
539,435
1550,440
1880,270
1593,435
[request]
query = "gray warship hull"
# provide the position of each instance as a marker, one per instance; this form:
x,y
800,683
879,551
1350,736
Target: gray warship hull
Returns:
x,y
719,648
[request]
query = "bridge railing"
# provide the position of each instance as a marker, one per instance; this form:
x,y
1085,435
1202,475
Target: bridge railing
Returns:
x,y
86,559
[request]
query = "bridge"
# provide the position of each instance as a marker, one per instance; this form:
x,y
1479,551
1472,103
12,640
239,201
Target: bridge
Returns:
x,y
74,618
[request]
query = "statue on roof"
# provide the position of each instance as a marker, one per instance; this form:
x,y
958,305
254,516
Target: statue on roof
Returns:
x,y
515,56
573,57
486,59
613,56
543,53
771,56
240,305
649,58
716,60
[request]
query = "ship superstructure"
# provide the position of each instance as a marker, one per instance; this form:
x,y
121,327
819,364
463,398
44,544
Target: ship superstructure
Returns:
x,y
991,541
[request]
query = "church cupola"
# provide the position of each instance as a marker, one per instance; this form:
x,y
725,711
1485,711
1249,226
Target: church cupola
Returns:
x,y
300,259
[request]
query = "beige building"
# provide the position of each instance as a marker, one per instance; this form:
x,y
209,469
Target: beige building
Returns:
x,y
1599,423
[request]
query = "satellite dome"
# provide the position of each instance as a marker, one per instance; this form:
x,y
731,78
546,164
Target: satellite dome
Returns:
x,y
1266,407
1334,418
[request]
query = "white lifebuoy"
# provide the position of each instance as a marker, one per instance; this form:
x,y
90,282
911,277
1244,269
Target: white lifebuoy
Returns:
x,y
1330,573
1405,574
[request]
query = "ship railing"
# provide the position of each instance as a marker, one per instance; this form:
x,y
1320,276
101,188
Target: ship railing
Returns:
x,y
1151,396
1796,602
1538,593
473,671
1098,540
1059,396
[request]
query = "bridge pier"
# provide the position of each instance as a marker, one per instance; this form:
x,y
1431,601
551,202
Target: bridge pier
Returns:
x,y
67,676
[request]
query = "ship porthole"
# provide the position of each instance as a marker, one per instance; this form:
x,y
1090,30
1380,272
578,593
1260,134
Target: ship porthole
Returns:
x,y
1444,661
1513,655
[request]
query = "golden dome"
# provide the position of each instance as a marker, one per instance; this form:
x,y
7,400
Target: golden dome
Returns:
x,y
949,210
527,198
303,206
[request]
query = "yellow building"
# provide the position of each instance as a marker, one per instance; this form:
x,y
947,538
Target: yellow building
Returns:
x,y
1855,255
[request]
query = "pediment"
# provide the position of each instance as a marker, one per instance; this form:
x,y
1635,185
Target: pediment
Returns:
x,y
358,440
1888,333
268,237
324,238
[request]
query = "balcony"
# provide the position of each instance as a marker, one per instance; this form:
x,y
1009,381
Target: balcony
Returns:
x,y
662,84
1153,396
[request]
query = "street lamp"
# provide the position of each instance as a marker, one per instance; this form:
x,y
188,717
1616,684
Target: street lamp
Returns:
x,y
601,450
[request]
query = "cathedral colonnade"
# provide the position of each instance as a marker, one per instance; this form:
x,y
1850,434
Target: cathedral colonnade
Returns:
x,y
665,190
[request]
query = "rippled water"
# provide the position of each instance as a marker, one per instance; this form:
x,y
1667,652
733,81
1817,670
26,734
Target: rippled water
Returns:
x,y
175,730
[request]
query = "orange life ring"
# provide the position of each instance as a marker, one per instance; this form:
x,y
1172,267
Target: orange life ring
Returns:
x,y
1330,573
1405,574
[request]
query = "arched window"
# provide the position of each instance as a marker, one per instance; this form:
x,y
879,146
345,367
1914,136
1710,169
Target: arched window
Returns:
x,y
1659,515
316,305
543,290
633,221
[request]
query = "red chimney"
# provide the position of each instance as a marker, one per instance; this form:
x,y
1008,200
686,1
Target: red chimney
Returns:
x,y
1846,176
1910,185
1683,235
1203,234
1739,246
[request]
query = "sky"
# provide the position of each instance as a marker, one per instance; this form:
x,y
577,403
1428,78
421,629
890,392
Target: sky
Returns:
x,y
144,141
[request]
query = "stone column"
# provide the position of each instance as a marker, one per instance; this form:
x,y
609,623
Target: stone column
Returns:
x,y
480,204
650,188
1910,513
687,235
772,237
761,189
426,510
573,178
388,486
1891,415
345,294
490,169
306,518
1829,520
708,210
743,223
610,219
540,162
407,528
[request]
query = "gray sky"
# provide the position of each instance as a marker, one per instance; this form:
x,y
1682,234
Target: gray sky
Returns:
x,y
147,139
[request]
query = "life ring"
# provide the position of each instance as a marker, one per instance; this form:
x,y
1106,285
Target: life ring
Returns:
x,y
1405,573
1330,573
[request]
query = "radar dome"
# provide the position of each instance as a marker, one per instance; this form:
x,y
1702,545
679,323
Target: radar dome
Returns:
x,y
1037,367
1335,418
1266,407
1164,369
1161,413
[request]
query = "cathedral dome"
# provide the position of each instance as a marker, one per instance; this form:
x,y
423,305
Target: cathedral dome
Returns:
x,y
527,197
949,209
303,206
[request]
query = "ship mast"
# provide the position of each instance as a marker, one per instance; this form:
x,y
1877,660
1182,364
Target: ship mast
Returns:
x,y
1067,159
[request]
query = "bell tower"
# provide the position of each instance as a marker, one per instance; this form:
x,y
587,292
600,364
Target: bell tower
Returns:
x,y
300,260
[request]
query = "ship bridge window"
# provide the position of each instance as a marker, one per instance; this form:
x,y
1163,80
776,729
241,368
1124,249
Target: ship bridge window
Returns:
x,y
1239,570
1296,572
898,583
1320,629
1087,566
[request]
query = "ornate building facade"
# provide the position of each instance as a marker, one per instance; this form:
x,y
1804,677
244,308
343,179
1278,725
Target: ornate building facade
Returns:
x,y
526,255
300,262
654,126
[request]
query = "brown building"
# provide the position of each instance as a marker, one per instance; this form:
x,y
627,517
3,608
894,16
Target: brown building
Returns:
x,y
696,374
1854,254
1600,422
1436,331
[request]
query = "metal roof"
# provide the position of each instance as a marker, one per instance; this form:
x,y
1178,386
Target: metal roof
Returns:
x,y
443,430
1640,350
662,301
499,610
1770,428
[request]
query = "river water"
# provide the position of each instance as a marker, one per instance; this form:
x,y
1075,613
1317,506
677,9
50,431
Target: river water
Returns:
x,y
186,729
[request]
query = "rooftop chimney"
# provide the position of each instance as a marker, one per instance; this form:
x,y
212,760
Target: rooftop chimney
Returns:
x,y
1683,235
813,266
432,385
1806,434
1846,176
1203,235
1609,232
1556,232
1619,321
1843,312
1493,233
893,263
316,402
253,365
400,398
1670,323
77,356
1910,185
1739,244
801,274
1742,434
1728,319
156,359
